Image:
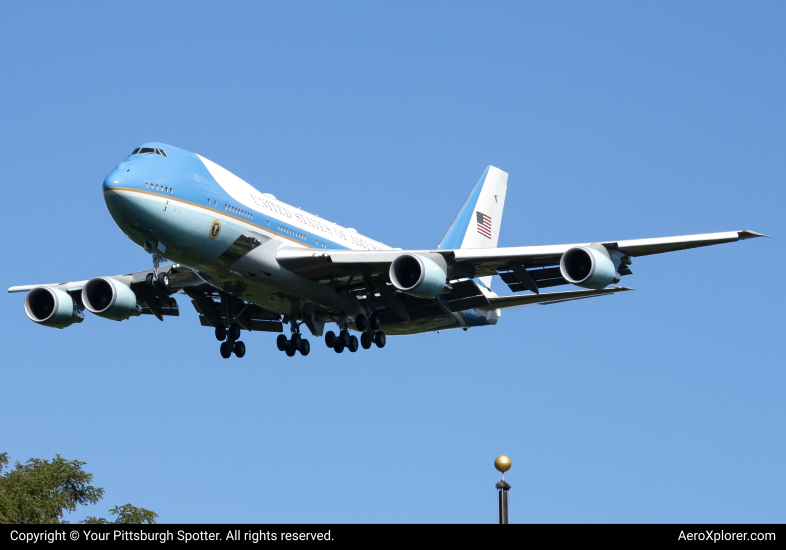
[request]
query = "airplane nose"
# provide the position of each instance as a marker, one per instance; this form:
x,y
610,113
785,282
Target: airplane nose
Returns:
x,y
112,179
118,176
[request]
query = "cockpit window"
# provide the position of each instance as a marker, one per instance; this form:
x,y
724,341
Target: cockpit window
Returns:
x,y
148,151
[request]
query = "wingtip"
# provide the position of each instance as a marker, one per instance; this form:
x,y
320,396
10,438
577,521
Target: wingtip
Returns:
x,y
747,234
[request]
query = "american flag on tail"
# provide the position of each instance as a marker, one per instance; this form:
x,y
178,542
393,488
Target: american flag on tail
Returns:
x,y
484,224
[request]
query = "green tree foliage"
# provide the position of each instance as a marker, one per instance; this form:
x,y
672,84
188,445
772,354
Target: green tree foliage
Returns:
x,y
126,514
42,491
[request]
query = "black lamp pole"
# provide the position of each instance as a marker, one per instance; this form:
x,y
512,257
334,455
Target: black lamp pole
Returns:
x,y
502,464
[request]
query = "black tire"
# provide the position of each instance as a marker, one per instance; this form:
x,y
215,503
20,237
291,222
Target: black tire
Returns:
x,y
376,322
234,331
305,348
361,323
290,351
344,338
150,281
353,344
163,282
379,339
365,340
330,338
226,350
221,333
338,347
281,342
295,341
239,349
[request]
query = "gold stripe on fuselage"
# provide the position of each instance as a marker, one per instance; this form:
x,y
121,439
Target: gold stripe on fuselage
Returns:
x,y
212,210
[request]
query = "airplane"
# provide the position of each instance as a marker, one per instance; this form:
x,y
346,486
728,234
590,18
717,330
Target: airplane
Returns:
x,y
250,262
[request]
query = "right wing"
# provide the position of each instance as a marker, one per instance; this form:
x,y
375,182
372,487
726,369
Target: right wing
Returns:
x,y
353,268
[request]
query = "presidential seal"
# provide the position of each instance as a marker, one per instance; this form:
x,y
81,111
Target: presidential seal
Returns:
x,y
215,229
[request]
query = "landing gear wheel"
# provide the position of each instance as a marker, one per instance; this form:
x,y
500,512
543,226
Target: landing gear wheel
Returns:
x,y
150,281
330,338
365,340
344,338
240,349
379,339
305,347
361,322
234,331
290,351
338,347
163,282
294,342
221,333
226,350
353,344
376,322
281,342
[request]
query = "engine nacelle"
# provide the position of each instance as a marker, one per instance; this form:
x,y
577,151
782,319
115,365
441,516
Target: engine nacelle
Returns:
x,y
418,276
588,268
109,298
52,307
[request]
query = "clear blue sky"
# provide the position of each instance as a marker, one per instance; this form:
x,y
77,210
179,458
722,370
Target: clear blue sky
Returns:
x,y
614,121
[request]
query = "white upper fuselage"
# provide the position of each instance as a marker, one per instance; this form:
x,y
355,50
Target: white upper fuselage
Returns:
x,y
203,192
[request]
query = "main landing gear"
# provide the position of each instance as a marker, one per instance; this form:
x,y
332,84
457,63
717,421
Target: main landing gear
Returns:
x,y
229,341
295,344
371,335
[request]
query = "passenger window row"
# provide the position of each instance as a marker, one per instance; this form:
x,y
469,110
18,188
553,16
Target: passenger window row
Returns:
x,y
160,188
148,151
288,231
238,211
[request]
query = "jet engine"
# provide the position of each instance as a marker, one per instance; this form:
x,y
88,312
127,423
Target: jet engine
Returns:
x,y
588,268
52,307
418,276
109,298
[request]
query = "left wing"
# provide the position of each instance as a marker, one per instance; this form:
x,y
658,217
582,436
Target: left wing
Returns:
x,y
119,297
147,302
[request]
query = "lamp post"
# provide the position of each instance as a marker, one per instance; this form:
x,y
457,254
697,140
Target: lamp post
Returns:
x,y
502,463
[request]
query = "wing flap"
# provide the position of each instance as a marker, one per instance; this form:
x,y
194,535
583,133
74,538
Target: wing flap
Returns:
x,y
256,326
521,300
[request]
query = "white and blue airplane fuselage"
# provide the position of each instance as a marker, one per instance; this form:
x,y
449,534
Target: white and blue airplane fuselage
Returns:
x,y
251,262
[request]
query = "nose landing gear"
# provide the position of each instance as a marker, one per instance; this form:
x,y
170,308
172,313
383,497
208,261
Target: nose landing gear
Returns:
x,y
158,281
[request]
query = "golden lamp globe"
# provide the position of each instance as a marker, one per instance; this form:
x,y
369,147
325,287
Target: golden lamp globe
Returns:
x,y
502,463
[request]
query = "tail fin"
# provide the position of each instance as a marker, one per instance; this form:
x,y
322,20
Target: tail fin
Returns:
x,y
477,223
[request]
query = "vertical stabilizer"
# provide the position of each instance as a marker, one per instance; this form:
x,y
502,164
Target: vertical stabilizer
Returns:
x,y
477,223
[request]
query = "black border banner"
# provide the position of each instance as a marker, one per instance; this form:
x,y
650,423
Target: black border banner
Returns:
x,y
255,535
